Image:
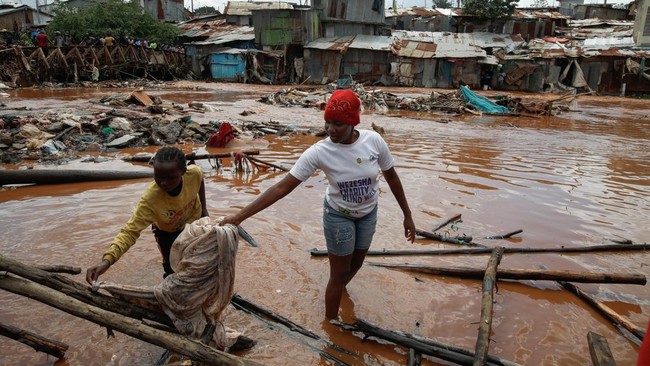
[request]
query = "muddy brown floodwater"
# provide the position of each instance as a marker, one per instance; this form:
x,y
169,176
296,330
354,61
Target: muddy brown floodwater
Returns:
x,y
580,178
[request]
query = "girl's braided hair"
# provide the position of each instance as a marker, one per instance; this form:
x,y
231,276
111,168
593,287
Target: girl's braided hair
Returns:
x,y
170,153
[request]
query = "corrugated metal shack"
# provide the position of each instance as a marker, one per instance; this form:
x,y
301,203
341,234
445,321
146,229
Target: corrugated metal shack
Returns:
x,y
166,10
240,12
421,19
595,11
16,18
349,17
203,36
286,31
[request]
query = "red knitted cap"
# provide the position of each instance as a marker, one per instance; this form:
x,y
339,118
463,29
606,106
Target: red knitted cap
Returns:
x,y
344,106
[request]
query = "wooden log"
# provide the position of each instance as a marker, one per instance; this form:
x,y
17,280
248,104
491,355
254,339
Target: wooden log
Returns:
x,y
37,342
82,293
512,250
436,349
505,236
189,347
59,269
467,241
58,176
444,223
192,156
522,274
599,350
487,303
606,311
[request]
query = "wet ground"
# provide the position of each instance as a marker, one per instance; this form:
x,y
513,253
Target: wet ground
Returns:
x,y
577,179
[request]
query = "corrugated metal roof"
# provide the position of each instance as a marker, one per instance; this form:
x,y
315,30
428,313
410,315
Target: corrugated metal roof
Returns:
x,y
243,33
414,11
366,42
243,8
447,45
339,44
12,8
595,22
480,39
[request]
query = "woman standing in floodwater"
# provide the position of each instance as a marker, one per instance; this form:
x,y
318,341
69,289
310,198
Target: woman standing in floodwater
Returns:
x,y
351,160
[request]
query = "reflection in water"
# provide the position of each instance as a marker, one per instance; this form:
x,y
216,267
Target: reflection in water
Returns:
x,y
571,180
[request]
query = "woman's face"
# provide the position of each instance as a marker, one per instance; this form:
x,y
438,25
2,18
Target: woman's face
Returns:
x,y
340,133
168,175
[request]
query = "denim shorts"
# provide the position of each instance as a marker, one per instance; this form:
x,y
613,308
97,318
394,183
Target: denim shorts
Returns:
x,y
345,234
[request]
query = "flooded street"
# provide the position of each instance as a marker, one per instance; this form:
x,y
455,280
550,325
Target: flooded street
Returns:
x,y
577,179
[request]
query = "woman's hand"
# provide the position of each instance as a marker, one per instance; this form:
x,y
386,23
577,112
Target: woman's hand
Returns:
x,y
93,273
409,229
232,219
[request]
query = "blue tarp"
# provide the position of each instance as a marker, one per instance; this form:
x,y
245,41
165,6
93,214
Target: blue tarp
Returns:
x,y
481,103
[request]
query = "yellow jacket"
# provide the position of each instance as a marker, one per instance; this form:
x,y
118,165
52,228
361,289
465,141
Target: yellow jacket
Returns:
x,y
158,207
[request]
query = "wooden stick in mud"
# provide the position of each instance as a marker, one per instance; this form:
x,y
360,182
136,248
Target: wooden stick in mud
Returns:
x,y
605,310
446,222
487,303
37,342
192,156
266,163
177,343
599,350
241,303
467,240
249,307
522,274
505,236
81,292
512,250
429,347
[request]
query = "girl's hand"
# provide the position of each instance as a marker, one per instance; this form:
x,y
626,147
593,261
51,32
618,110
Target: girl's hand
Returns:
x,y
93,273
232,219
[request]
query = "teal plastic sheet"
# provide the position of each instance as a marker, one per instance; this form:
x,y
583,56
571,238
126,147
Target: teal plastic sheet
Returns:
x,y
481,103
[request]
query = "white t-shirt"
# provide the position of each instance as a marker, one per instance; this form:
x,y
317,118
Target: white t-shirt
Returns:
x,y
352,171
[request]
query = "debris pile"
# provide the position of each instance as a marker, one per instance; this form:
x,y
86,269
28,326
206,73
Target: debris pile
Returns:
x,y
137,120
376,100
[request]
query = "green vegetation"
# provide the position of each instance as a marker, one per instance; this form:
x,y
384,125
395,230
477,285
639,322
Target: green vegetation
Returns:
x,y
112,17
443,4
206,10
491,9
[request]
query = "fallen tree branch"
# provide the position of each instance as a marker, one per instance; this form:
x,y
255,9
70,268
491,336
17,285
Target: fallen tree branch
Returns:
x,y
37,342
59,269
265,163
522,274
505,236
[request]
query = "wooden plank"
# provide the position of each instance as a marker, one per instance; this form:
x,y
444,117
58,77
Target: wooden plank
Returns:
x,y
599,350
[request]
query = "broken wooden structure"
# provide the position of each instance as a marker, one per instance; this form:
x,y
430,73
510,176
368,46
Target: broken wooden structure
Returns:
x,y
27,66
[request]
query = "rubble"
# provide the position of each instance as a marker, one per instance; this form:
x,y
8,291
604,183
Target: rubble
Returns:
x,y
136,120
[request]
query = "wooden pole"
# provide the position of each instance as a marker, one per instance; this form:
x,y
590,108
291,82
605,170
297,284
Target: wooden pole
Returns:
x,y
58,176
605,311
440,350
512,250
522,274
467,241
59,269
82,293
483,339
147,158
505,236
37,342
177,343
446,222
